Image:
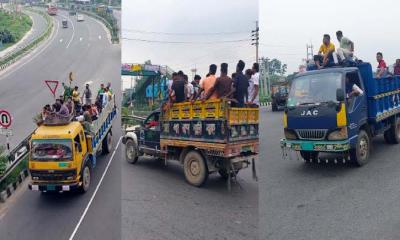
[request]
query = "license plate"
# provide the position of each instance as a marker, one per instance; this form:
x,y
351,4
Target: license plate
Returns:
x,y
51,187
307,146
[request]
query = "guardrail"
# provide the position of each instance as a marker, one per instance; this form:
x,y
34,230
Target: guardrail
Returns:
x,y
15,56
15,156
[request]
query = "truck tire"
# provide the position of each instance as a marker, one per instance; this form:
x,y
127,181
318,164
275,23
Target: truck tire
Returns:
x,y
85,178
309,156
360,155
131,152
274,106
392,135
106,145
195,168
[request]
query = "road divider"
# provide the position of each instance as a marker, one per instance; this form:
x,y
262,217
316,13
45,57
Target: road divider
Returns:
x,y
15,56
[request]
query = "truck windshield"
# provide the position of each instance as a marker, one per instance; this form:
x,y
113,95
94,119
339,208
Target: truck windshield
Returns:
x,y
45,150
314,89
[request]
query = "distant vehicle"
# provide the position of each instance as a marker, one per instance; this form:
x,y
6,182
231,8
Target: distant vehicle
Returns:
x,y
64,23
79,18
52,10
72,12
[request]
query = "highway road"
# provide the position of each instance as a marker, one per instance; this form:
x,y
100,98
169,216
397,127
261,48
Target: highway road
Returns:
x,y
327,201
84,49
157,203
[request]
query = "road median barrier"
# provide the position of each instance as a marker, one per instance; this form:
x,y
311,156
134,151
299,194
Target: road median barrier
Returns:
x,y
15,56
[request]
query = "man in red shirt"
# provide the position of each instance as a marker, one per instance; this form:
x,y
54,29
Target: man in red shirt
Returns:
x,y
381,65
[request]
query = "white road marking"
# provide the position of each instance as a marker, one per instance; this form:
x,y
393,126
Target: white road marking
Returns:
x,y
73,28
100,37
61,40
80,39
94,193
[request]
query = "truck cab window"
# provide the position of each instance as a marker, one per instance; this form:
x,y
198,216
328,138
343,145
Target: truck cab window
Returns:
x,y
77,143
353,85
152,121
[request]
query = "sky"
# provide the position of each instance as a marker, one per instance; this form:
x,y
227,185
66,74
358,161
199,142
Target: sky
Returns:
x,y
286,26
172,21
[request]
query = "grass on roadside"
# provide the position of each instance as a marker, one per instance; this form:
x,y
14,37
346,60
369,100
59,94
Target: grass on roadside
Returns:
x,y
14,174
17,26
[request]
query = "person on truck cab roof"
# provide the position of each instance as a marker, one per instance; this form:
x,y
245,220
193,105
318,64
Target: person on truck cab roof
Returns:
x,y
346,49
207,83
382,67
325,53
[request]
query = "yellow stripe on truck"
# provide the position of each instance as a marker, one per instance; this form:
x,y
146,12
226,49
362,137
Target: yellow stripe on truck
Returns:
x,y
341,118
284,120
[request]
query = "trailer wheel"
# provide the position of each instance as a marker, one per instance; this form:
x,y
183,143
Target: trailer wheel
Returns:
x,y
86,178
195,168
131,152
360,155
392,135
309,156
107,143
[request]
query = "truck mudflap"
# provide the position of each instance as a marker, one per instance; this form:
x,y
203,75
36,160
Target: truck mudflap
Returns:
x,y
44,187
233,165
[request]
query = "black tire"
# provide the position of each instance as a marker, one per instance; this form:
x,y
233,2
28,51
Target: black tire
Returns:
x,y
274,106
309,156
224,174
85,179
195,168
392,135
360,155
131,152
106,145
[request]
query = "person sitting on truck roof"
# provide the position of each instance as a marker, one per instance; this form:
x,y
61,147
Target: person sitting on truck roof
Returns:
x,y
396,70
346,49
93,112
240,83
222,86
382,67
70,105
325,53
207,83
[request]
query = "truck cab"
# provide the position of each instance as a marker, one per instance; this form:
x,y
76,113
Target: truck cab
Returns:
x,y
323,115
60,158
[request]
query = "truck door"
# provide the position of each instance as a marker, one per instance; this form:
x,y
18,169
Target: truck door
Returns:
x,y
356,104
150,133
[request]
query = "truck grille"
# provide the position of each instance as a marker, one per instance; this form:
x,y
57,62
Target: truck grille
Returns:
x,y
52,175
312,134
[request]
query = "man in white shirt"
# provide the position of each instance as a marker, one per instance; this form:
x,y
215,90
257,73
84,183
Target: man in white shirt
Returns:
x,y
346,50
253,89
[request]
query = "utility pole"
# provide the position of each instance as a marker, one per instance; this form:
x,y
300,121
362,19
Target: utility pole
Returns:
x,y
310,52
255,36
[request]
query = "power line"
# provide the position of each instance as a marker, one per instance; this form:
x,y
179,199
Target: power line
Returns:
x,y
184,34
185,42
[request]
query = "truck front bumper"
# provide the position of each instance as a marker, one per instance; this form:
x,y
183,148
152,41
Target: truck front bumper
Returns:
x,y
49,187
317,146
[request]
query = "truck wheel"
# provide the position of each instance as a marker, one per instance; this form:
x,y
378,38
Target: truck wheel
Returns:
x,y
131,153
86,178
392,135
107,143
195,168
360,155
309,156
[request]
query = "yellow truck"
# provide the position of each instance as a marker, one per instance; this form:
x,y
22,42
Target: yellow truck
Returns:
x,y
63,152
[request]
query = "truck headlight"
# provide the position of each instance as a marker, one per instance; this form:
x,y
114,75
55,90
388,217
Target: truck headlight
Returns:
x,y
339,134
289,134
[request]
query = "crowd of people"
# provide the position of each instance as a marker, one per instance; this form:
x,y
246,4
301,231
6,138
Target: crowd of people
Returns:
x,y
328,56
240,88
73,104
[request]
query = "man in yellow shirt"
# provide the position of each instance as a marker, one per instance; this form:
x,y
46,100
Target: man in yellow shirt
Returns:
x,y
325,52
75,95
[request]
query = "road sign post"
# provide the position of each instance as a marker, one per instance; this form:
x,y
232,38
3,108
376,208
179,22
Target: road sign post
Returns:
x,y
5,123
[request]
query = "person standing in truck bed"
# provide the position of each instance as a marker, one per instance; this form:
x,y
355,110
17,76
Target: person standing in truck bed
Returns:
x,y
382,67
178,89
223,85
207,83
240,84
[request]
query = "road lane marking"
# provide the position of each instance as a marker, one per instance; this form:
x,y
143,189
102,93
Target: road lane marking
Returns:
x,y
61,40
73,28
80,39
95,192
100,37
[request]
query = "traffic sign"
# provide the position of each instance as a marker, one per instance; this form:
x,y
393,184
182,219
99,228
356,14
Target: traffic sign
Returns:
x,y
5,119
52,85
5,132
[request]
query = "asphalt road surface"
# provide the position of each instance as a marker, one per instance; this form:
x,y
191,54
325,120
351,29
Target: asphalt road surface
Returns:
x,y
157,203
83,48
327,201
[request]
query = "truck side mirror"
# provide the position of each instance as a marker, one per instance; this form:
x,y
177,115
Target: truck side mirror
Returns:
x,y
339,95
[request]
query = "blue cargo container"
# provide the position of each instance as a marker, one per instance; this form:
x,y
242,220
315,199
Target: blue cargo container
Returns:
x,y
321,116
